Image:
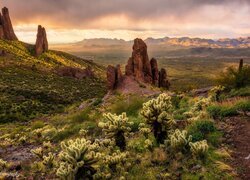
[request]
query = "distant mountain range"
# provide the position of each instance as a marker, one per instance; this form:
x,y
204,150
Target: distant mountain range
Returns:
x,y
177,42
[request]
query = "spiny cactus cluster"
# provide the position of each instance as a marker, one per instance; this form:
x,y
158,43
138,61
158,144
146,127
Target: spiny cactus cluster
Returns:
x,y
49,161
179,139
114,164
144,130
198,110
199,148
158,114
215,92
77,159
117,127
3,164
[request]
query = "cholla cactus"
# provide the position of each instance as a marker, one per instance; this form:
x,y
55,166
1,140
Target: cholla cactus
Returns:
x,y
47,145
114,164
3,164
199,148
198,111
143,129
117,127
83,132
158,114
178,140
77,159
215,92
38,152
49,161
148,144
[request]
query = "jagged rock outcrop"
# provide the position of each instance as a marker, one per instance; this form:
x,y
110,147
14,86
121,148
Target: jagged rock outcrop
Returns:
x,y
155,71
139,65
114,76
139,68
163,80
6,28
41,41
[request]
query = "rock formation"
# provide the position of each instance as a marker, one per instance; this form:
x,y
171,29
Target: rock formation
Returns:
x,y
155,72
6,28
140,68
163,81
41,41
139,65
114,76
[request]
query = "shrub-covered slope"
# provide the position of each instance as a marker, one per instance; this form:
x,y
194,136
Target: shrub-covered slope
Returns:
x,y
29,86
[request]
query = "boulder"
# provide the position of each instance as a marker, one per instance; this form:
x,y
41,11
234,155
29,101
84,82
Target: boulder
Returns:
x,y
114,76
138,65
163,81
6,28
41,41
155,71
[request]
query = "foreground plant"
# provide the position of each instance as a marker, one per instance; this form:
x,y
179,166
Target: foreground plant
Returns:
x,y
77,159
179,139
116,127
158,114
199,148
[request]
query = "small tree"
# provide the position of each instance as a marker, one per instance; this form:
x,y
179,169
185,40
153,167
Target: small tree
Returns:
x,y
77,159
158,114
116,127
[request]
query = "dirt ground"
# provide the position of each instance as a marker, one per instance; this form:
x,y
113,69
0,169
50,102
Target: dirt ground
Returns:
x,y
237,136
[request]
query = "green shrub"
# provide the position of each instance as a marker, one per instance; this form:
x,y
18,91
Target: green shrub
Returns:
x,y
200,129
235,78
82,116
131,106
221,111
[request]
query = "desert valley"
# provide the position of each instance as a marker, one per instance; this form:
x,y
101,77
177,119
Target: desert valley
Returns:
x,y
108,108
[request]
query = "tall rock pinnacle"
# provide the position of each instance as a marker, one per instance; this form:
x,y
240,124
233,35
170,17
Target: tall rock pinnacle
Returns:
x,y
41,41
6,28
139,65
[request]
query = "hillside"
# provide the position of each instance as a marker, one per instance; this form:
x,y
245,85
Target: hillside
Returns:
x,y
31,86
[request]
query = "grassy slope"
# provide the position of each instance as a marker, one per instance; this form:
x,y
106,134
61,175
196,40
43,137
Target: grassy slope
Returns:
x,y
28,86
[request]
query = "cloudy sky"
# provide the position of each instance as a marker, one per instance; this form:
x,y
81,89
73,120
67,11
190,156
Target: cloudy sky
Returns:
x,y
74,20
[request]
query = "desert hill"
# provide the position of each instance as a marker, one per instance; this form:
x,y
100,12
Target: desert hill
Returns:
x,y
31,85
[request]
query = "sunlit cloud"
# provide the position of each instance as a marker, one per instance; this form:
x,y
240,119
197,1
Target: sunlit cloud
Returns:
x,y
74,20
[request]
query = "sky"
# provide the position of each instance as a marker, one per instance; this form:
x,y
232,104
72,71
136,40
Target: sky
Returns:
x,y
74,20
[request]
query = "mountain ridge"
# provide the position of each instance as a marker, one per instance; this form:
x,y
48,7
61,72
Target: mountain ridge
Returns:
x,y
174,41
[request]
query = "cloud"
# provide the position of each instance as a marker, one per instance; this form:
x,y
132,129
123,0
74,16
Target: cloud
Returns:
x,y
83,12
72,20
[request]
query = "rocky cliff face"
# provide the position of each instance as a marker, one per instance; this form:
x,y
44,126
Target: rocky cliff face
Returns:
x,y
140,68
6,28
41,41
114,76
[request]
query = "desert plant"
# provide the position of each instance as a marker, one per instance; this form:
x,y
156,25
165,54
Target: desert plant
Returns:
x,y
200,129
158,114
179,139
117,127
115,164
49,161
3,164
215,92
235,77
77,159
199,148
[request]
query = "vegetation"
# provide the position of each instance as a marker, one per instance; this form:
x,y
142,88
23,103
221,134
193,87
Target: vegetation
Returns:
x,y
29,87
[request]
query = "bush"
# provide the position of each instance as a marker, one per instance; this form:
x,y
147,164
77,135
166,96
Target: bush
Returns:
x,y
235,78
221,111
199,130
130,106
